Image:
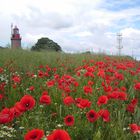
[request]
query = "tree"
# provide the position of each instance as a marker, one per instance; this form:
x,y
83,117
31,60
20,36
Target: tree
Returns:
x,y
1,47
46,44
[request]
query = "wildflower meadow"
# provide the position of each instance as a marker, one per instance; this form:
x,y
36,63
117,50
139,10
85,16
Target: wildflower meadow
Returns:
x,y
57,96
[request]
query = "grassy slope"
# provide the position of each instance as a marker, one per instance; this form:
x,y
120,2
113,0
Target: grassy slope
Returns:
x,y
27,61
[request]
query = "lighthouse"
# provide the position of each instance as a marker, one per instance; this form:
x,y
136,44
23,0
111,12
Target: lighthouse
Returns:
x,y
15,38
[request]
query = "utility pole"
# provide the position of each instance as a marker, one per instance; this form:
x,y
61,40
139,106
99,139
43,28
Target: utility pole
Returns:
x,y
119,42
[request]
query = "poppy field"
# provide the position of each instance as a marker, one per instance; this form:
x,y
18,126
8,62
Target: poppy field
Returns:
x,y
56,96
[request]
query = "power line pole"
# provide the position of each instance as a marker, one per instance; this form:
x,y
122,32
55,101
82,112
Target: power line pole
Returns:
x,y
119,42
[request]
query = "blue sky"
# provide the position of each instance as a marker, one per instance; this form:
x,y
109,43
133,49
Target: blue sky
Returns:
x,y
118,5
75,25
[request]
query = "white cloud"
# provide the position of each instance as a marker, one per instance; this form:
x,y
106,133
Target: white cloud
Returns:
x,y
131,41
75,25
131,33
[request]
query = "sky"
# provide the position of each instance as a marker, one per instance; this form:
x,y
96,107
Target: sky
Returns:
x,y
76,25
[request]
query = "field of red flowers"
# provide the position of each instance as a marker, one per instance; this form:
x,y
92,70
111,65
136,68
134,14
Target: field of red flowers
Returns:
x,y
95,98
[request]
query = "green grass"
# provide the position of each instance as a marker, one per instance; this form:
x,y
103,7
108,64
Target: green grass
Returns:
x,y
21,62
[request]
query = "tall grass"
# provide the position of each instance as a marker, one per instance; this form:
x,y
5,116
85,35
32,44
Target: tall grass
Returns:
x,y
21,62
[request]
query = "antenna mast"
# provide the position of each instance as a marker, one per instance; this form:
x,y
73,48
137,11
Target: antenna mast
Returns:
x,y
119,42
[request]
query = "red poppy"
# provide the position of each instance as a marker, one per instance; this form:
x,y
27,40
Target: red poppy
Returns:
x,y
41,66
87,89
40,74
48,68
118,95
1,69
56,77
16,79
101,73
105,115
90,83
138,129
46,74
123,89
132,72
92,116
50,83
1,96
14,85
76,84
90,69
31,88
122,96
89,74
78,73
18,106
45,99
45,93
137,86
121,67
119,76
69,120
2,86
134,128
134,101
17,111
27,102
59,134
102,100
131,107
107,88
83,103
54,70
113,95
67,89
68,100
6,115
35,134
